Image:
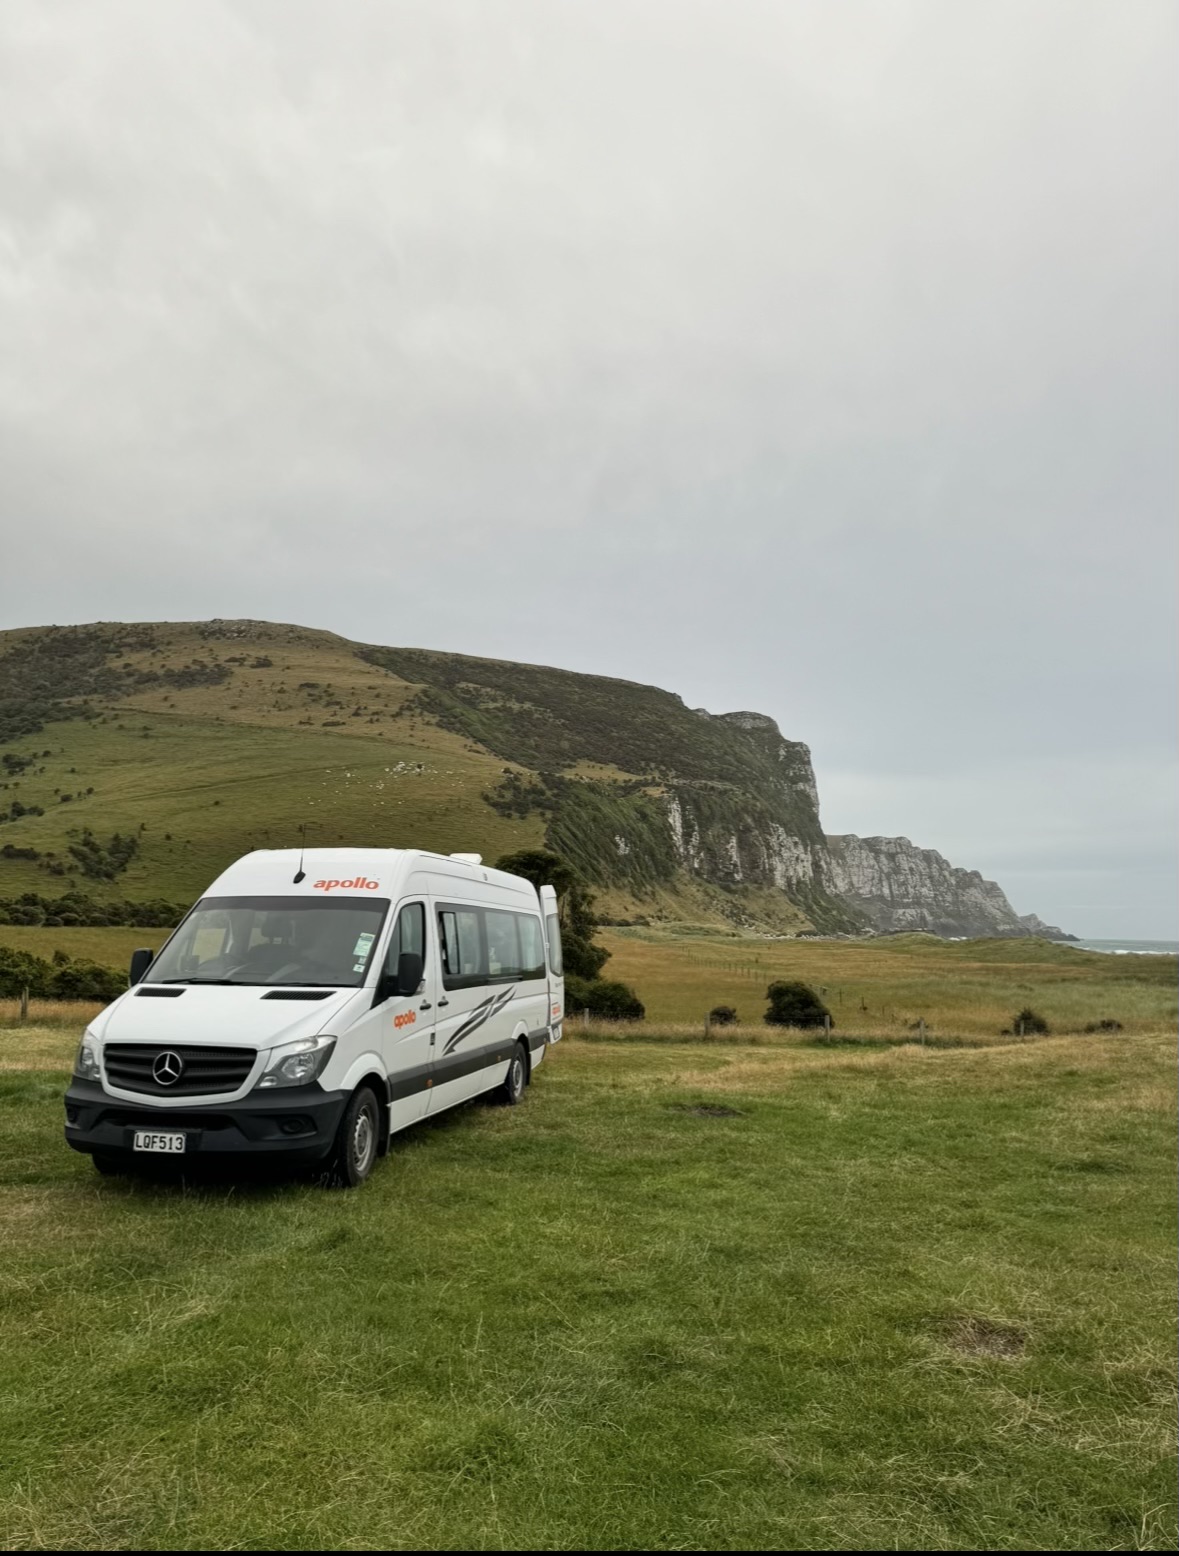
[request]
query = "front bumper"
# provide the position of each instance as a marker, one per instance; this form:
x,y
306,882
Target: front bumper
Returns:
x,y
295,1124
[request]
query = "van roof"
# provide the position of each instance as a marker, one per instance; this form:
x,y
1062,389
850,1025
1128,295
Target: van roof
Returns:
x,y
273,870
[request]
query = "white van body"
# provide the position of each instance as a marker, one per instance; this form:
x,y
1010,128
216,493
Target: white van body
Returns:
x,y
276,1002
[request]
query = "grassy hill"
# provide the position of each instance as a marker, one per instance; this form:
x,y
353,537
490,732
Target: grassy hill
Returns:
x,y
199,741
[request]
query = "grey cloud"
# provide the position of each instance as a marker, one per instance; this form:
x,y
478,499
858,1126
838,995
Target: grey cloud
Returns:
x,y
814,358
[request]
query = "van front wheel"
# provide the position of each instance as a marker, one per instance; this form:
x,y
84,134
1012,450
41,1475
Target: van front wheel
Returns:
x,y
512,1090
357,1140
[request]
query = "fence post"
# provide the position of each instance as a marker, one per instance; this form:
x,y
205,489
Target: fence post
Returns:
x,y
24,1004
827,1026
585,1018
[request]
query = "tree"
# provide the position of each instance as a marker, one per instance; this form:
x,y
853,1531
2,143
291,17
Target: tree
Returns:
x,y
1029,1021
795,1004
722,1016
20,970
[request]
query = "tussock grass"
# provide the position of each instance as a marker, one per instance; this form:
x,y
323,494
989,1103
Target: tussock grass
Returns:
x,y
686,1297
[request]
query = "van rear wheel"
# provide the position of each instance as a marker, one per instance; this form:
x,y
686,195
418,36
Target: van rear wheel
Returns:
x,y
512,1090
357,1140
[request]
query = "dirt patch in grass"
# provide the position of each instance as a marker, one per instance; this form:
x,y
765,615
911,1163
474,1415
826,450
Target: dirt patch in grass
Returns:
x,y
707,1109
975,1336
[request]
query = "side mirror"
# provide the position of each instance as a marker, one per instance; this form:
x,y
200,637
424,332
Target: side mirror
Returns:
x,y
410,967
141,960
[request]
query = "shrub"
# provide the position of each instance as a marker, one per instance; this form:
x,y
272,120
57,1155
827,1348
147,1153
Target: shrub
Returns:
x,y
1104,1026
1029,1022
21,970
84,980
722,1016
795,1004
603,998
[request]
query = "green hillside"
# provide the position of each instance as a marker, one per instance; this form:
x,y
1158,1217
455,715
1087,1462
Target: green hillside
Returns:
x,y
137,760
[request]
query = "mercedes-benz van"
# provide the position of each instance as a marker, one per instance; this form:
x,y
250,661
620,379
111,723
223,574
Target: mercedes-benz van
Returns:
x,y
312,1004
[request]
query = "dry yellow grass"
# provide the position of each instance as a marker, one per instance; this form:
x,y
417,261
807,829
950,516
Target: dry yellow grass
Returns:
x,y
882,988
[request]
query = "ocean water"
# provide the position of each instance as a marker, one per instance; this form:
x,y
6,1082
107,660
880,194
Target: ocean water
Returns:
x,y
1131,947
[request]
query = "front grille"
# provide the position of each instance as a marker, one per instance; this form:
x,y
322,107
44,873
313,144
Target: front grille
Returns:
x,y
204,1071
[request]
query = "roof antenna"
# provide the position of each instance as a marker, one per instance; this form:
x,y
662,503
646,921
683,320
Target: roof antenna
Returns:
x,y
301,873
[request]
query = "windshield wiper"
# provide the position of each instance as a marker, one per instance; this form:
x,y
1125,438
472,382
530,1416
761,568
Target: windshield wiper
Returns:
x,y
236,983
299,983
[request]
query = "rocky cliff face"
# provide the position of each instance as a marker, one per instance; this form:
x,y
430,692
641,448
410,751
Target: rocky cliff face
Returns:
x,y
766,835
897,886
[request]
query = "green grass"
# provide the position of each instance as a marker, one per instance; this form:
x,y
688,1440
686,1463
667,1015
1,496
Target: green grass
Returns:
x,y
892,1299
208,791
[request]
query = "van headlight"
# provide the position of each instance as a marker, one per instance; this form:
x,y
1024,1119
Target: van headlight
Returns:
x,y
87,1061
297,1063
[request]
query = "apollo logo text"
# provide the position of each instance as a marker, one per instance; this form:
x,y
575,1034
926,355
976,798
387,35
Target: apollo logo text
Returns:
x,y
359,883
405,1019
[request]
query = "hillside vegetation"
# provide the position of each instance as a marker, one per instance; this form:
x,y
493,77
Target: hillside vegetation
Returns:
x,y
139,760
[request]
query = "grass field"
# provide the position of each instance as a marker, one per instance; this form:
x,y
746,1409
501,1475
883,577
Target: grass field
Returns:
x,y
683,1298
882,987
875,989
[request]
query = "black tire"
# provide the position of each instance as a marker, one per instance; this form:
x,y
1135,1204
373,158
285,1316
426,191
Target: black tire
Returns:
x,y
511,1092
108,1166
357,1140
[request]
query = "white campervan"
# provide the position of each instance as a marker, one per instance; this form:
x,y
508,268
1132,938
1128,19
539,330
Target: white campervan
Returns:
x,y
310,1005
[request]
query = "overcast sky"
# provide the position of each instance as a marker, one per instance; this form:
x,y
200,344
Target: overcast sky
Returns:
x,y
817,357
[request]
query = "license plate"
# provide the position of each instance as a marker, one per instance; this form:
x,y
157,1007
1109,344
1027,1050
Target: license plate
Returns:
x,y
148,1140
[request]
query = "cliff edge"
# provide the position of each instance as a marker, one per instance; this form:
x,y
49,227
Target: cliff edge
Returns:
x,y
898,887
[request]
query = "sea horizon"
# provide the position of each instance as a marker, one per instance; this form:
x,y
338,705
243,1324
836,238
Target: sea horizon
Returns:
x,y
1128,947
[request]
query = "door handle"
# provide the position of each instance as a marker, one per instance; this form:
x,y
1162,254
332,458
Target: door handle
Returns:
x,y
443,1002
425,1005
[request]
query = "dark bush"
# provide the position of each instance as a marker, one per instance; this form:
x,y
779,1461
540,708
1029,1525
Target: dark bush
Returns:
x,y
75,908
602,998
61,979
84,980
1104,1026
795,1004
722,1016
1029,1022
21,970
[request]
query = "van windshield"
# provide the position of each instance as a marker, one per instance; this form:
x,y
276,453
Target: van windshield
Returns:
x,y
322,943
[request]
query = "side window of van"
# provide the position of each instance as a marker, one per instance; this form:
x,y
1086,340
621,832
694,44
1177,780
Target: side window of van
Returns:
x,y
460,933
555,959
531,947
409,934
503,946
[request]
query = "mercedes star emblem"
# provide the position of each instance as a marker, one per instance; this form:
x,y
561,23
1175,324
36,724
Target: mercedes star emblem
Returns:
x,y
167,1068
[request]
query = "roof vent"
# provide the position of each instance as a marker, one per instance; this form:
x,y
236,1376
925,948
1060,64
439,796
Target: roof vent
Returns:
x,y
467,858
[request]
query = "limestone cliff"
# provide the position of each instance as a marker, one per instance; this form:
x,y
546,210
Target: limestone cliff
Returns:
x,y
897,886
